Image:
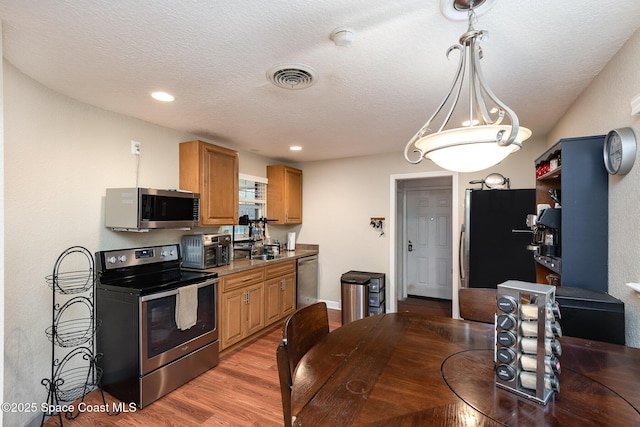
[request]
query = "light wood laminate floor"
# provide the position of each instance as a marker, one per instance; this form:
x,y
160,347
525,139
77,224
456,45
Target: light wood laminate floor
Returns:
x,y
242,390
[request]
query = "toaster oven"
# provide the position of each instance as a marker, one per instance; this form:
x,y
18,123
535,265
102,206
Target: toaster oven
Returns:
x,y
203,251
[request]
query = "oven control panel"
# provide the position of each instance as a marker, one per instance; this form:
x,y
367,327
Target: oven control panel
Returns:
x,y
140,256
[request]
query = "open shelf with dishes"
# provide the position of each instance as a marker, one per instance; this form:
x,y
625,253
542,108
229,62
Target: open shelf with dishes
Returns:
x,y
552,174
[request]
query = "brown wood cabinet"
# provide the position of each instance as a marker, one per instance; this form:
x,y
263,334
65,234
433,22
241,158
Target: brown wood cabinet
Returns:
x,y
242,303
280,288
253,299
212,172
284,194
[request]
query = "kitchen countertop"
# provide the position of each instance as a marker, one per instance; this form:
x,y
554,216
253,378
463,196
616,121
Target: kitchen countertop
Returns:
x,y
243,264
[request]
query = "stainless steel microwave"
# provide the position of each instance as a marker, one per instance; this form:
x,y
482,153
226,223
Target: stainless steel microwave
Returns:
x,y
140,209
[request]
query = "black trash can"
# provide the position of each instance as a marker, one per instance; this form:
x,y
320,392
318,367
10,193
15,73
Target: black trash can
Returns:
x,y
355,296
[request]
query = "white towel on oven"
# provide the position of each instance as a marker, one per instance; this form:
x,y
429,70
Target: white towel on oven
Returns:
x,y
187,307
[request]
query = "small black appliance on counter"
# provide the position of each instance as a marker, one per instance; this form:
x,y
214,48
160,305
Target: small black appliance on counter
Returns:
x,y
589,314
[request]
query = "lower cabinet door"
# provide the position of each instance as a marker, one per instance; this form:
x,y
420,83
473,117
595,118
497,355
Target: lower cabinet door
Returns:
x,y
272,308
231,317
281,297
288,295
254,309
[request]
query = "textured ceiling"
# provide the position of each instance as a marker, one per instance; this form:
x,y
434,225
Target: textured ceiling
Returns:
x,y
370,97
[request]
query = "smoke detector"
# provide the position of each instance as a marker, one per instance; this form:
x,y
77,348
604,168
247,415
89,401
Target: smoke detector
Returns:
x,y
343,36
292,76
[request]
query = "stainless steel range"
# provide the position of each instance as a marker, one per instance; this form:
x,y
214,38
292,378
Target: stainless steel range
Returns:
x,y
158,323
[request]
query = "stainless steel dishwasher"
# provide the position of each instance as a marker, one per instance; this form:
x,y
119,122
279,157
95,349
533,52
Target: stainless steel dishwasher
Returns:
x,y
307,280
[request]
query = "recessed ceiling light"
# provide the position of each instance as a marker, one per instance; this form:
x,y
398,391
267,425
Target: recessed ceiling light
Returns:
x,y
162,96
295,148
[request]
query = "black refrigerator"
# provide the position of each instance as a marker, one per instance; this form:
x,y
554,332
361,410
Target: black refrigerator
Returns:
x,y
494,237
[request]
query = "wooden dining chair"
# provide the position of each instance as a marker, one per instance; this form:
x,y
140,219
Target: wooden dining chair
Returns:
x,y
301,331
477,304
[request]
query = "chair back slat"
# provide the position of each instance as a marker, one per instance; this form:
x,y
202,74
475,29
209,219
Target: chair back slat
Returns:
x,y
301,331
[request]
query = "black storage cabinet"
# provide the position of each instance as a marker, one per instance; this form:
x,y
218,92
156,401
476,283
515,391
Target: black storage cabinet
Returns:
x,y
584,195
591,315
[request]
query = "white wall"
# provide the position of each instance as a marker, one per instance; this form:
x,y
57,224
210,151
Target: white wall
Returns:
x,y
340,196
603,106
60,155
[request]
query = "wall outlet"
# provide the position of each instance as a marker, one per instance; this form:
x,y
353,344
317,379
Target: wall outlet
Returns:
x,y
135,147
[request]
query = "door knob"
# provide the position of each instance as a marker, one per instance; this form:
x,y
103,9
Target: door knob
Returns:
x,y
410,246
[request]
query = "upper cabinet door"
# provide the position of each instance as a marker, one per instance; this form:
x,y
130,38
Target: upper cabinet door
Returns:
x,y
211,171
284,194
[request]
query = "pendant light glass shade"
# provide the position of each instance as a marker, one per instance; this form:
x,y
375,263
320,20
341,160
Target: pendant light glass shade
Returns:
x,y
486,139
469,149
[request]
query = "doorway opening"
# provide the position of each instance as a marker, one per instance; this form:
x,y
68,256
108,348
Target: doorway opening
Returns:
x,y
424,242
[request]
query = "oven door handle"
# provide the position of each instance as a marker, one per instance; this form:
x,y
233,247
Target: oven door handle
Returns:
x,y
175,291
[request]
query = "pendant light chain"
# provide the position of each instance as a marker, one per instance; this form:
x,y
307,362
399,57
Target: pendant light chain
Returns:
x,y
472,15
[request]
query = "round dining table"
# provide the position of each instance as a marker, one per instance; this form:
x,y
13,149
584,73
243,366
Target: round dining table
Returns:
x,y
403,369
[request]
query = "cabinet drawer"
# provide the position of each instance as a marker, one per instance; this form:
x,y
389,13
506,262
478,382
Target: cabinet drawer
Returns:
x,y
374,287
281,268
244,278
374,311
376,299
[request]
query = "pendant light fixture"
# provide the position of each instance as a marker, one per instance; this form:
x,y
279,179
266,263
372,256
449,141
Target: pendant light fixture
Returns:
x,y
489,134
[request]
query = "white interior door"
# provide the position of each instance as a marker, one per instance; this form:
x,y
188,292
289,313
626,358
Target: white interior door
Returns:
x,y
428,243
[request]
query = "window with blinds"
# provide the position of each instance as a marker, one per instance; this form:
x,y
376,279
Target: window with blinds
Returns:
x,y
253,202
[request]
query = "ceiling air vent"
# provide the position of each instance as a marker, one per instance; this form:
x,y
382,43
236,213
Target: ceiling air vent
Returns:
x,y
292,76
